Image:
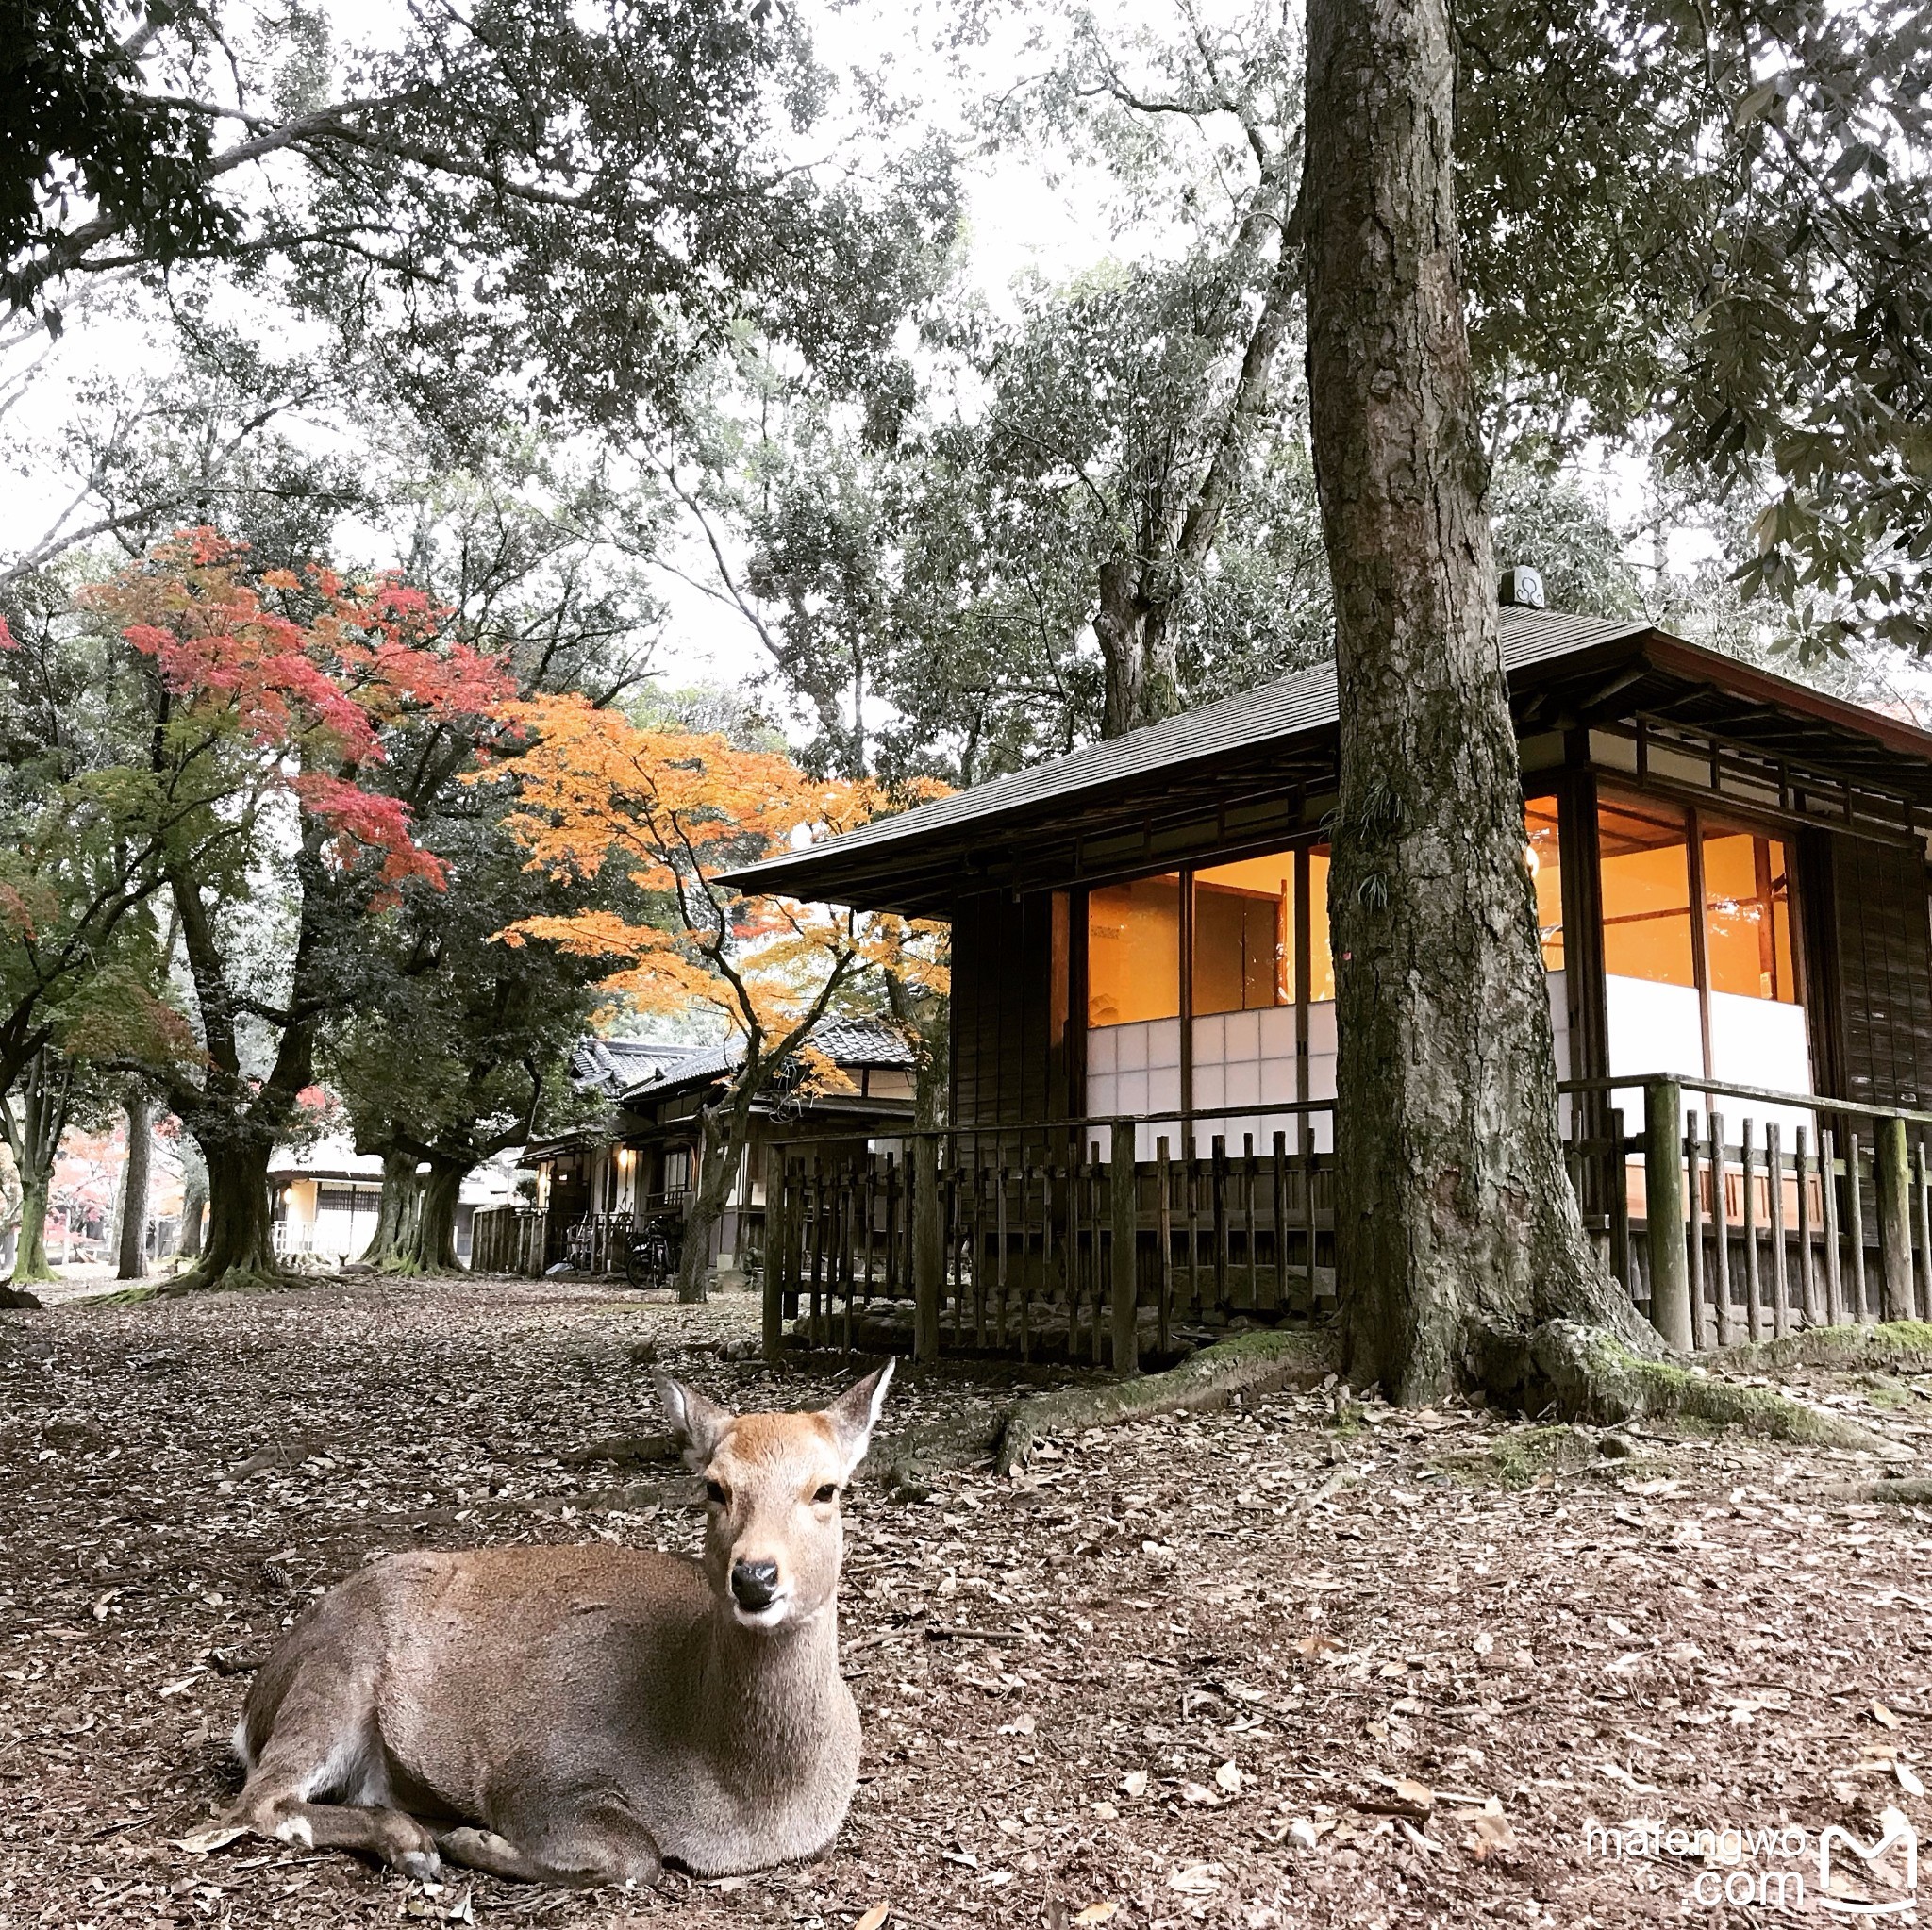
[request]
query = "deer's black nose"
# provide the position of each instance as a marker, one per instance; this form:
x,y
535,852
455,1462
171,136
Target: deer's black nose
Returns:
x,y
754,1582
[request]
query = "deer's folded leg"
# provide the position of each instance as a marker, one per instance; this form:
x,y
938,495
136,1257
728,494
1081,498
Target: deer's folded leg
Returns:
x,y
605,1845
391,1834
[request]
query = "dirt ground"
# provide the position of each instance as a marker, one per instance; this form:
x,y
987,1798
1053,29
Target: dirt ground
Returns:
x,y
1255,1668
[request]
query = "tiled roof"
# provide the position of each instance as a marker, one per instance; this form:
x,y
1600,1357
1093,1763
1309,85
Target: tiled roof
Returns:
x,y
846,1041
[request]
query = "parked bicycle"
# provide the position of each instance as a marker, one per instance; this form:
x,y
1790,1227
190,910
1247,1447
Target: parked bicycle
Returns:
x,y
651,1257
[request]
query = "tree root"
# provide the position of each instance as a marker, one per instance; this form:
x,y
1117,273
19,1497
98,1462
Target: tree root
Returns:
x,y
1904,1489
1589,1374
1252,1363
1008,1434
1897,1346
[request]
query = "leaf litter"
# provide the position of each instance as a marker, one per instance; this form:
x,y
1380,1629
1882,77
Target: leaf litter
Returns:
x,y
1236,1668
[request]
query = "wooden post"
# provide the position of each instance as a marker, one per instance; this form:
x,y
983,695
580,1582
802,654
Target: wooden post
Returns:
x,y
1753,1316
774,1283
1781,1288
1126,1278
1854,1213
1693,1181
1834,1277
1895,1176
928,1245
1664,1207
1721,1228
1163,1184
1808,1280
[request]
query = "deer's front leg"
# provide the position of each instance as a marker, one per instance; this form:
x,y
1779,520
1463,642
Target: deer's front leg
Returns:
x,y
580,1851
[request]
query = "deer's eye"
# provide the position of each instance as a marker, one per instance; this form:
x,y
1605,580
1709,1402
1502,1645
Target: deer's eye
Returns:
x,y
714,1494
826,1494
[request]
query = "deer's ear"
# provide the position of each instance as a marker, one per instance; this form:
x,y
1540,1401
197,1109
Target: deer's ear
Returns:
x,y
697,1424
856,1413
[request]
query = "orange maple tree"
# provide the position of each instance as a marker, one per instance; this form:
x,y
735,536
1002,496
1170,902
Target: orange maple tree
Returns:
x,y
659,815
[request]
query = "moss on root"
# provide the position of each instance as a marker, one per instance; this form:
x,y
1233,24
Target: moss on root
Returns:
x,y
1593,1376
1895,1347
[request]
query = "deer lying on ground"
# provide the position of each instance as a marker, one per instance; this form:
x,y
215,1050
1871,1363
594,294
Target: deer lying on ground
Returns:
x,y
581,1715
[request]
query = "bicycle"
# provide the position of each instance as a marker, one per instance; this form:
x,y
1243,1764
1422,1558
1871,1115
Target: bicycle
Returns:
x,y
650,1256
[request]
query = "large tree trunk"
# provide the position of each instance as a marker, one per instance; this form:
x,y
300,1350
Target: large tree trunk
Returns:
x,y
193,1210
1457,1232
397,1211
133,1244
240,1222
436,1220
30,1255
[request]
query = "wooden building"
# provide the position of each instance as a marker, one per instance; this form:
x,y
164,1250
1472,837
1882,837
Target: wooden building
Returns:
x,y
640,1161
1730,873
1730,869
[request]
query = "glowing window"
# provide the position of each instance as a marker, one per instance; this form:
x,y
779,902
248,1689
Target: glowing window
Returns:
x,y
1542,853
1134,950
1320,960
1244,935
1747,915
1645,872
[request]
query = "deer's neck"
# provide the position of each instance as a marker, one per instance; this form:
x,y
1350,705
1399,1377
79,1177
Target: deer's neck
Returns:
x,y
773,1694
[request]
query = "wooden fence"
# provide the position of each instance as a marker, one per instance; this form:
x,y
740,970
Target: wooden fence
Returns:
x,y
524,1239
1723,1224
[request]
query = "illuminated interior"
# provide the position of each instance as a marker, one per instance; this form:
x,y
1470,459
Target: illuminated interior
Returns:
x,y
1542,853
1747,915
1645,874
1134,950
1244,935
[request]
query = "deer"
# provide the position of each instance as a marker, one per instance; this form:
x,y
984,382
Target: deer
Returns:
x,y
582,1716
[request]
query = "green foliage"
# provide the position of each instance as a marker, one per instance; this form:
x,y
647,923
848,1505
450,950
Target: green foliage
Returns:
x,y
1718,222
79,122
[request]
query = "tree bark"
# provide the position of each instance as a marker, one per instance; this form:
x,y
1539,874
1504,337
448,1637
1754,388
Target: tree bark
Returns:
x,y
1143,685
240,1222
1457,1231
30,1255
133,1242
436,1219
393,1243
725,1132
194,1210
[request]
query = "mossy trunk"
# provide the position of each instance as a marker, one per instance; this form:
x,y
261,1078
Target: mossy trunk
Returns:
x,y
436,1220
30,1256
240,1222
1454,1218
393,1245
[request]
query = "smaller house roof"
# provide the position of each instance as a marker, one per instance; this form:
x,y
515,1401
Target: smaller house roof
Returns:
x,y
847,1042
611,1065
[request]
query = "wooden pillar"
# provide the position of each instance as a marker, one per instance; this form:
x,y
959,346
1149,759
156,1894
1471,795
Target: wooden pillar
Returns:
x,y
775,1253
1664,1207
1895,1176
929,1244
1123,1209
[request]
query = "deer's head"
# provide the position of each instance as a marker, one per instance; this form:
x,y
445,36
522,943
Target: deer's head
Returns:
x,y
774,1487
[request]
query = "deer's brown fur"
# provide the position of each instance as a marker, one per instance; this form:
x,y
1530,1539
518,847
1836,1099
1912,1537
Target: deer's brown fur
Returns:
x,y
579,1715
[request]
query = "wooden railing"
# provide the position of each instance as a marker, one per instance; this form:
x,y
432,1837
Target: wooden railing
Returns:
x,y
1019,1240
1762,1211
